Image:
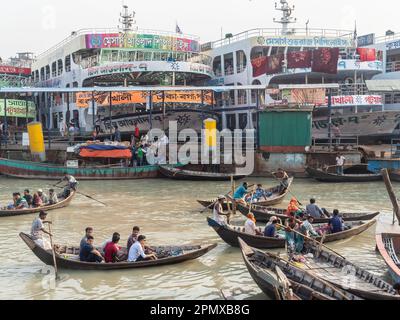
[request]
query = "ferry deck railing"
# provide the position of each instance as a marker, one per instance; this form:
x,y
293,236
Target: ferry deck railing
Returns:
x,y
342,142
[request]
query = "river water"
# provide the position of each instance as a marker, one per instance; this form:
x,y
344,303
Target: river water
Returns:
x,y
167,213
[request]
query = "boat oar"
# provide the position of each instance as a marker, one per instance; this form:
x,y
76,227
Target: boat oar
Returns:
x,y
314,240
53,251
85,195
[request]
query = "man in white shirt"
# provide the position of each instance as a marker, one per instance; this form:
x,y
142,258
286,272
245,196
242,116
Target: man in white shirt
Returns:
x,y
250,226
340,162
37,231
218,212
136,252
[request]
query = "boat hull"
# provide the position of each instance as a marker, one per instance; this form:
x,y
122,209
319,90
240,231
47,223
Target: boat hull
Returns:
x,y
322,176
178,174
40,171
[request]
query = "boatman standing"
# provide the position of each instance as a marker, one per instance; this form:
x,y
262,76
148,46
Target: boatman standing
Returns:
x,y
340,162
37,231
72,182
218,211
283,177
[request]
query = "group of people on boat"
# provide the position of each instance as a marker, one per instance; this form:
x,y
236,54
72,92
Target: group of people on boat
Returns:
x,y
136,249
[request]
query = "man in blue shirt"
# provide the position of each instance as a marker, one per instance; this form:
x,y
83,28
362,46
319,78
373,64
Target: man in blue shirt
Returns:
x,y
88,253
270,230
241,192
336,223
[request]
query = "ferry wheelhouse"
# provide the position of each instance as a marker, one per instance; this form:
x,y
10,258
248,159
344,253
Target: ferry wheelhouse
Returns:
x,y
124,57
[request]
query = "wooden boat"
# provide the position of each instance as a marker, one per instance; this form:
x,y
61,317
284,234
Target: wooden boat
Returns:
x,y
358,173
276,198
36,170
394,175
305,285
61,204
180,174
68,257
389,247
347,275
263,214
231,234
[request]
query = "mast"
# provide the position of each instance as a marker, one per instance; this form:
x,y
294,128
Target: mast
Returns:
x,y
127,20
286,18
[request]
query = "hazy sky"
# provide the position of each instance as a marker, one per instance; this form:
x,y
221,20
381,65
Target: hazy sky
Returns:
x,y
36,25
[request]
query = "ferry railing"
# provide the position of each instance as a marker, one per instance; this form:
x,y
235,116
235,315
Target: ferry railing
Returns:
x,y
393,66
384,39
279,32
336,142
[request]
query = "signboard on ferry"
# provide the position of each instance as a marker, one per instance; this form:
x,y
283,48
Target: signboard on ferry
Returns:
x,y
357,100
18,109
141,41
319,42
393,45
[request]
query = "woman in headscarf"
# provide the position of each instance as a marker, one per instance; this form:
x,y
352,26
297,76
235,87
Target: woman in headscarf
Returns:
x,y
250,226
293,208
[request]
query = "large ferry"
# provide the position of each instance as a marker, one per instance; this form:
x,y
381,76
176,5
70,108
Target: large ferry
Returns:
x,y
286,54
123,57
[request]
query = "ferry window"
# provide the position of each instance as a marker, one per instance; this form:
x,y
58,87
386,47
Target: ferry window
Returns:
x,y
217,66
228,64
258,52
140,56
229,96
115,56
74,85
242,96
388,98
148,56
396,98
254,92
60,67
75,115
124,56
294,49
243,121
37,75
42,78
274,51
241,61
54,69
231,121
47,72
68,63
132,56
157,56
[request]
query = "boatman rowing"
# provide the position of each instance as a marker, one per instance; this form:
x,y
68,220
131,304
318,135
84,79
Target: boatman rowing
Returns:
x,y
72,182
218,211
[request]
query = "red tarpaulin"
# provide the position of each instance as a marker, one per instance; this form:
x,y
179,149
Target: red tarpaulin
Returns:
x,y
325,60
367,54
114,154
299,59
259,66
15,70
274,64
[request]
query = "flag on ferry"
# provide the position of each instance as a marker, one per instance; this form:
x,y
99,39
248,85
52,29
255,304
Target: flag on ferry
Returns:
x,y
366,54
325,60
299,59
259,66
178,30
274,64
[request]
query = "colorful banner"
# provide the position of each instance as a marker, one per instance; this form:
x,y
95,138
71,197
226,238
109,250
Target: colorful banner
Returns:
x,y
259,66
17,108
367,54
141,41
299,59
304,96
325,60
15,70
358,100
274,64
84,99
319,42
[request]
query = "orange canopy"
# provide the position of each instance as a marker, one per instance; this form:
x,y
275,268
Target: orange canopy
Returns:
x,y
115,154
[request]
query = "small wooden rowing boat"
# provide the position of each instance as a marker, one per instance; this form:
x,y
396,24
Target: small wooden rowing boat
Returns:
x,y
347,275
358,173
68,257
276,197
180,174
394,175
264,214
231,234
61,204
389,247
262,266
41,171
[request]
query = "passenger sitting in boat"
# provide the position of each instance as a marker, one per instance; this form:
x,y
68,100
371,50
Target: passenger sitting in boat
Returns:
x,y
37,231
88,232
293,207
112,249
133,237
37,201
53,199
250,226
88,253
313,210
260,194
43,197
28,197
271,229
19,202
218,212
241,192
136,252
307,228
336,222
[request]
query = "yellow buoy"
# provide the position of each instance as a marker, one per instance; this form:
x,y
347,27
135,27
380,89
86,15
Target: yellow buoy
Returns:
x,y
36,140
210,132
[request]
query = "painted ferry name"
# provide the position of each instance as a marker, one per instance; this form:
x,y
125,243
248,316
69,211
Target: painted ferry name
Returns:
x,y
305,42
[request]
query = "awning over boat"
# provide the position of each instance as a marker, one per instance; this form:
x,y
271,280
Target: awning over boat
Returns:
x,y
113,154
383,85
